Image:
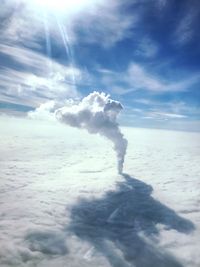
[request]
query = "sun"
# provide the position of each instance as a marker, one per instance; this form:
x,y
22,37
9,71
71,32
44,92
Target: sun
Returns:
x,y
62,6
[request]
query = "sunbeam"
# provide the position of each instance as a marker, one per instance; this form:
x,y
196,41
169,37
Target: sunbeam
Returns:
x,y
68,48
63,6
47,37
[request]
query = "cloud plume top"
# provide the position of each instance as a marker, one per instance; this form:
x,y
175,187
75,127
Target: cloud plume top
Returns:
x,y
97,113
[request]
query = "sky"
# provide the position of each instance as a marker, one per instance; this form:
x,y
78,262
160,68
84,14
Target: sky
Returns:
x,y
143,53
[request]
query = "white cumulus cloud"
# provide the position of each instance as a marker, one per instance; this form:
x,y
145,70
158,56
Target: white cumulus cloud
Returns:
x,y
97,113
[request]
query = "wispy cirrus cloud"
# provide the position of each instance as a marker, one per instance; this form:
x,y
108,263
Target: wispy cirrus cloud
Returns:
x,y
164,115
33,77
19,25
136,77
186,26
147,48
40,64
105,26
176,115
161,4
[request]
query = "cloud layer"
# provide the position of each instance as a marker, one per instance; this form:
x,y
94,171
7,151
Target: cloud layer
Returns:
x,y
46,186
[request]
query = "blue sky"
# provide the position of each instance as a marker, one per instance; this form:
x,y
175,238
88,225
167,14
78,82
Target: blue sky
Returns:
x,y
143,53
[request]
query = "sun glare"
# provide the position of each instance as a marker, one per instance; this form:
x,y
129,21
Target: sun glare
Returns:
x,y
63,6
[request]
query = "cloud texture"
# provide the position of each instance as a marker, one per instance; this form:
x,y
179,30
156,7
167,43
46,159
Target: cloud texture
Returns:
x,y
97,113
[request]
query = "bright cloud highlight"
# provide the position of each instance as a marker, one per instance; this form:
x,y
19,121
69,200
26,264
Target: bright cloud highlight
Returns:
x,y
97,113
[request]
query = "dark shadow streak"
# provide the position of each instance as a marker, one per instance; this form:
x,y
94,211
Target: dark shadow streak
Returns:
x,y
120,217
